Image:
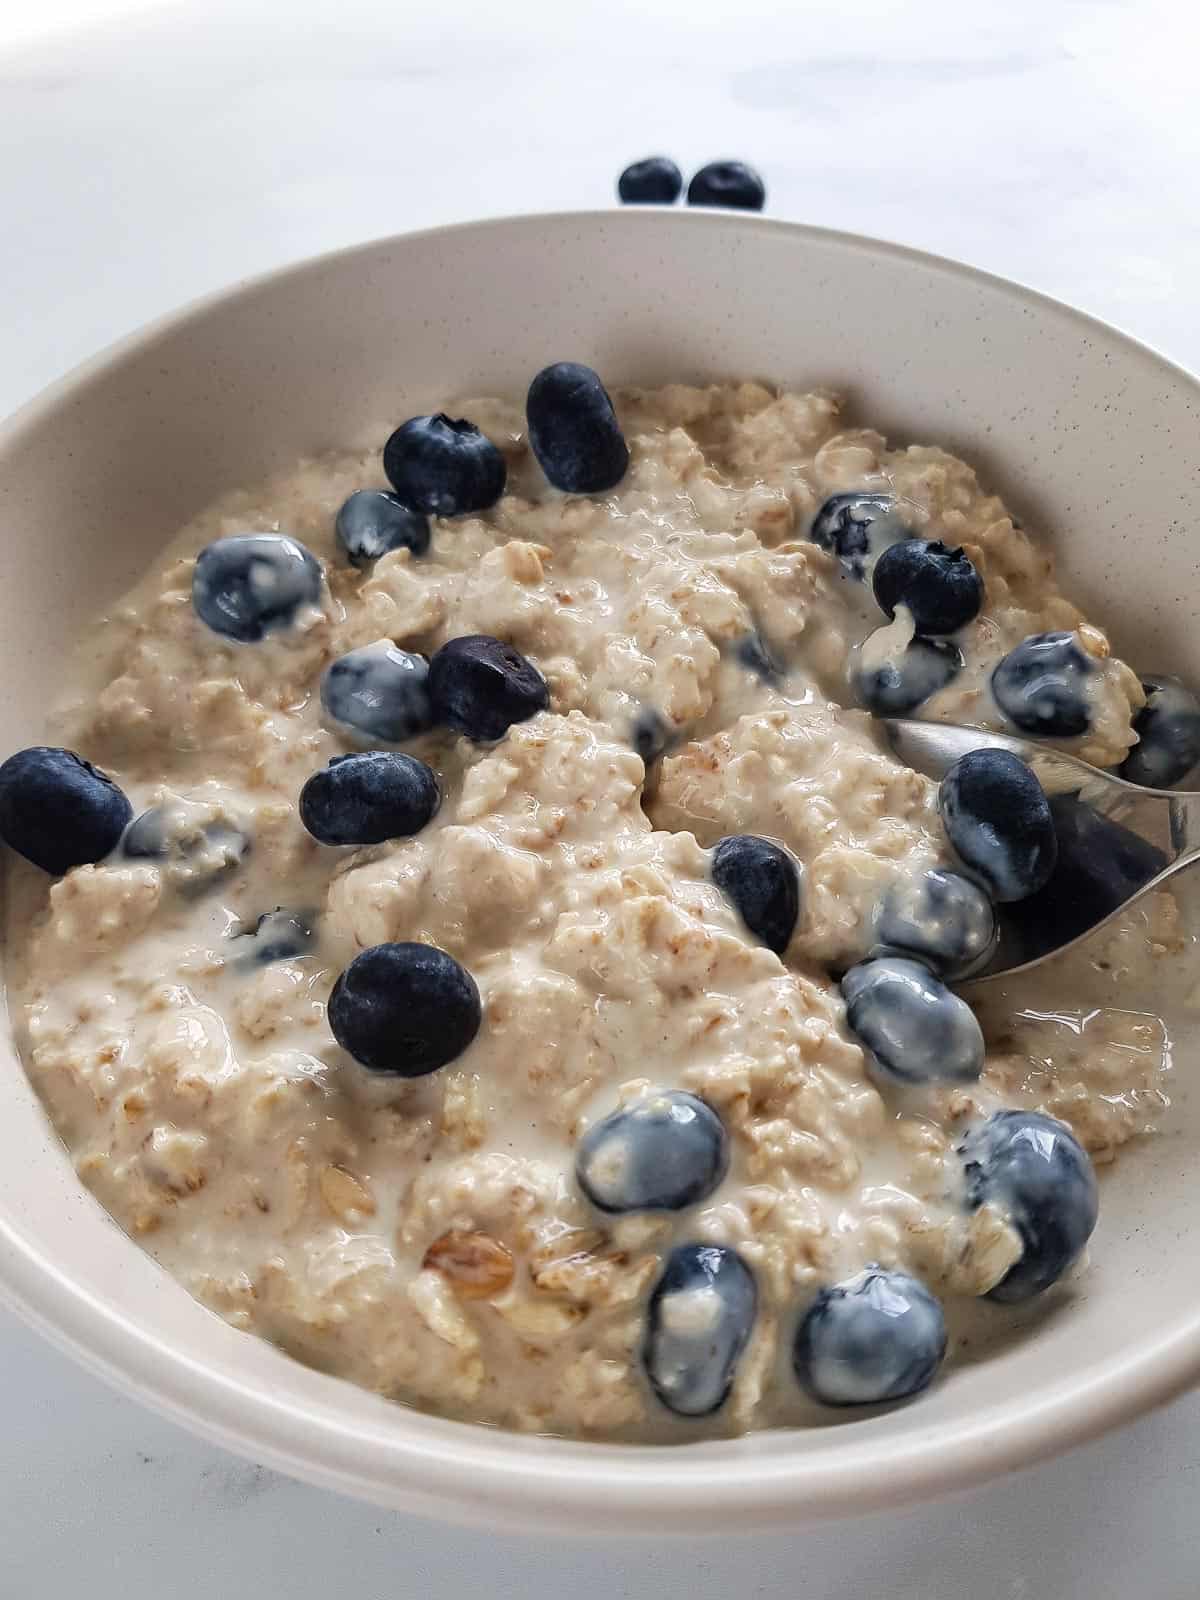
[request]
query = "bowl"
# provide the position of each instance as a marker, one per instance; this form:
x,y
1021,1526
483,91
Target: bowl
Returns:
x,y
1089,435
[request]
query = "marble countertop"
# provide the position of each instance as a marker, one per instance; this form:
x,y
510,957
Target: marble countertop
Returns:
x,y
154,151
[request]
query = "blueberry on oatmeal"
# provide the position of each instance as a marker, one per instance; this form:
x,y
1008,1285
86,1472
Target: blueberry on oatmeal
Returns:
x,y
664,1152
877,1337
404,1010
1035,1172
480,686
369,798
895,685
278,935
443,466
912,1027
757,657
1168,730
999,821
196,857
573,429
372,522
856,528
940,586
253,584
727,183
381,693
939,918
650,735
699,1321
763,883
59,811
1041,686
656,181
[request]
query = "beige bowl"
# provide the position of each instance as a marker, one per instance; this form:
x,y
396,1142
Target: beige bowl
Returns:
x,y
1088,435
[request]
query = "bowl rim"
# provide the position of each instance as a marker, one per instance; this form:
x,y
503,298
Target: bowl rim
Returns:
x,y
472,1474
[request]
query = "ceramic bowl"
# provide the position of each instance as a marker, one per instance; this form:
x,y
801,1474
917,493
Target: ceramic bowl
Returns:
x,y
1090,436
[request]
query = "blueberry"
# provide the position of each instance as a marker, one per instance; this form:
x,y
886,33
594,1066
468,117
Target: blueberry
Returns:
x,y
940,587
999,821
878,1336
699,1320
59,811
656,181
1168,730
757,657
938,917
278,935
855,528
372,522
195,857
368,798
444,467
381,692
573,429
894,687
763,882
253,584
1032,1169
727,183
911,1026
480,686
404,1009
662,1153
1041,686
651,735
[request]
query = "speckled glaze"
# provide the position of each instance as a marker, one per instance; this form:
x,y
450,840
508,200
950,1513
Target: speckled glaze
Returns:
x,y
1080,429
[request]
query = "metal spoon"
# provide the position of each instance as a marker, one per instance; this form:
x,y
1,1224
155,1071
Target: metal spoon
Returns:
x,y
1118,842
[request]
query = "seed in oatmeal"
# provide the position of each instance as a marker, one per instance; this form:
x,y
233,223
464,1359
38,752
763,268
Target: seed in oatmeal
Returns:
x,y
59,811
373,521
999,821
699,1321
368,798
1034,1171
1041,686
913,1028
892,678
443,466
879,1336
666,1151
253,584
763,882
1168,730
573,429
940,587
857,528
480,686
278,935
381,693
940,918
404,1009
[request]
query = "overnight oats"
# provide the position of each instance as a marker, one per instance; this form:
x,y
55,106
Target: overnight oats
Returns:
x,y
469,927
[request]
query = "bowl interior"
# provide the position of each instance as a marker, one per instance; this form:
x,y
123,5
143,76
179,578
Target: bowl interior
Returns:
x,y
1088,435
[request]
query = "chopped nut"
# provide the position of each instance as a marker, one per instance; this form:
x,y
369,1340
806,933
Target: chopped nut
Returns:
x,y
475,1264
345,1195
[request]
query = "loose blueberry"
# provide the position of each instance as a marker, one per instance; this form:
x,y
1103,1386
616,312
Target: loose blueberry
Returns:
x,y
444,467
253,584
372,522
59,811
879,1336
999,821
368,798
381,692
656,181
480,686
1041,686
727,183
195,857
893,688
856,528
940,587
651,735
940,918
1168,730
911,1026
755,655
763,882
573,429
404,1009
662,1153
699,1320
278,935
1035,1172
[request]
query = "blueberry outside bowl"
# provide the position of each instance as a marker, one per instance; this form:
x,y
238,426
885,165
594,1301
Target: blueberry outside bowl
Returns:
x,y
1083,430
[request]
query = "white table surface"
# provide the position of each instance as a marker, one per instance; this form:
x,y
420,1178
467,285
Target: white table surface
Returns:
x,y
150,152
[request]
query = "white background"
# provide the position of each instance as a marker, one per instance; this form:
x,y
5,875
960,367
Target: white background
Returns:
x,y
151,152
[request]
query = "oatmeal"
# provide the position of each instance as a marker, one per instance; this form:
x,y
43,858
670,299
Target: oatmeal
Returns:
x,y
469,1068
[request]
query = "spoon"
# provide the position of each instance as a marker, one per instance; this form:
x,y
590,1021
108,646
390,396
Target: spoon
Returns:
x,y
1118,842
